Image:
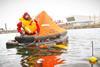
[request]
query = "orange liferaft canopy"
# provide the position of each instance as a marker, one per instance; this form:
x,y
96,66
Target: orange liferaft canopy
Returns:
x,y
47,25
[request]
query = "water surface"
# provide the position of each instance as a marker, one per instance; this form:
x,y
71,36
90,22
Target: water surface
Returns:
x,y
79,48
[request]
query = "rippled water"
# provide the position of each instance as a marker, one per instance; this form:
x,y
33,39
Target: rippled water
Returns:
x,y
80,43
79,47
8,57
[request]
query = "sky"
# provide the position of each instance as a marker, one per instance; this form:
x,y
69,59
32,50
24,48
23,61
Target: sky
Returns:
x,y
12,10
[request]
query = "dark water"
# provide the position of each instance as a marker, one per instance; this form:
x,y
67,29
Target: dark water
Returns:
x,y
79,48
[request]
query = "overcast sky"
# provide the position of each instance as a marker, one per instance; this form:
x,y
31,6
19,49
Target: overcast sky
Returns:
x,y
11,10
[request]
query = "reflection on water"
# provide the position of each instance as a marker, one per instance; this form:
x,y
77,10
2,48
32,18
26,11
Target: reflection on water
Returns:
x,y
79,47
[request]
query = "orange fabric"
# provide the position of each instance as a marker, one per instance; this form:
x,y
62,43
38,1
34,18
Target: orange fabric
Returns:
x,y
47,25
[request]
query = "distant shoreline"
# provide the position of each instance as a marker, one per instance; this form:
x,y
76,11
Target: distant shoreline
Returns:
x,y
72,26
8,31
65,26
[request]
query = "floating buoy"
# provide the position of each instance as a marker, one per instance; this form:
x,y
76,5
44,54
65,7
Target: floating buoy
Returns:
x,y
93,60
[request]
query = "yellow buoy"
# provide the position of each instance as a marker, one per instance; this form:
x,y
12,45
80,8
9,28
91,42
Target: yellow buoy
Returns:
x,y
93,60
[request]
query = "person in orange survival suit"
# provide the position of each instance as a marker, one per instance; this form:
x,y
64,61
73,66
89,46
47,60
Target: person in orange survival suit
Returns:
x,y
30,27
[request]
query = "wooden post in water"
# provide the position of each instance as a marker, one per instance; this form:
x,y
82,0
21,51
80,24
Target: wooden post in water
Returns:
x,y
92,49
91,65
92,53
93,59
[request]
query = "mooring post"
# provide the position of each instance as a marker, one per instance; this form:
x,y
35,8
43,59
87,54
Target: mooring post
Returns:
x,y
91,65
92,52
93,60
92,49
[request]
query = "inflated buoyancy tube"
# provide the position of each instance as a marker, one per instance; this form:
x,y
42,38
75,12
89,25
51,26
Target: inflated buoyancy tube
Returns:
x,y
11,44
31,39
24,39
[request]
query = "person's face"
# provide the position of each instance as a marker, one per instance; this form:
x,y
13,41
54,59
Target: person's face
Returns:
x,y
27,17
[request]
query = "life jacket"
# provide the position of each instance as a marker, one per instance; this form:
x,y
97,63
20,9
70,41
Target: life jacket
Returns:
x,y
29,26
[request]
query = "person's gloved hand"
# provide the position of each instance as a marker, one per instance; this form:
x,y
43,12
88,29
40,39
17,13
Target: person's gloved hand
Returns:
x,y
35,21
22,33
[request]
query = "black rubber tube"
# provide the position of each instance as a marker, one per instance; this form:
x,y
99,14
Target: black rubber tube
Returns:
x,y
11,44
